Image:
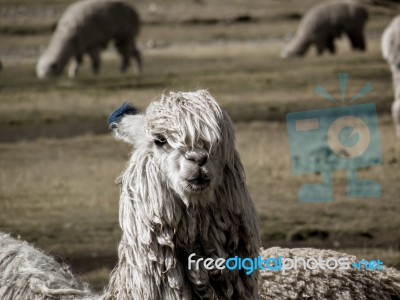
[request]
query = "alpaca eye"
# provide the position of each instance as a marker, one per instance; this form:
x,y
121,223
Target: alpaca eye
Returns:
x,y
160,141
54,66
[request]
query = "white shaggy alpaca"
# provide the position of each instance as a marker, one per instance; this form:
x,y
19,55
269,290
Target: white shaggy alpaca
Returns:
x,y
184,192
325,22
86,27
391,53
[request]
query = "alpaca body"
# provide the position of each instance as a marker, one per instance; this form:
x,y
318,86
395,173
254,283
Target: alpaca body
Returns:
x,y
390,45
346,284
28,274
323,23
183,192
86,27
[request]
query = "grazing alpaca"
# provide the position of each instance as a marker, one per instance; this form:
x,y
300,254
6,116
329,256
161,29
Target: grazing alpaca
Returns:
x,y
183,192
86,27
325,22
391,53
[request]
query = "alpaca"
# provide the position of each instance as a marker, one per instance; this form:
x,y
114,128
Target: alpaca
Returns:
x,y
27,273
325,22
86,27
183,195
390,45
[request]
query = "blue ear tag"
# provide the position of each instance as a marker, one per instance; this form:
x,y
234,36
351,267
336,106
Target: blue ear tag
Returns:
x,y
124,109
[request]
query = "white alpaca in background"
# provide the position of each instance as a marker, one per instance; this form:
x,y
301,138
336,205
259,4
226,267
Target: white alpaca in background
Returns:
x,y
391,53
184,192
86,27
324,23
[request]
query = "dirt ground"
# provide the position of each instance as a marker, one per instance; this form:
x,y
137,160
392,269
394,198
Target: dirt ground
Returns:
x,y
58,162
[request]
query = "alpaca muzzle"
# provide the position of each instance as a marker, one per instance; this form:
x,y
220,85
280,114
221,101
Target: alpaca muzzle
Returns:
x,y
199,183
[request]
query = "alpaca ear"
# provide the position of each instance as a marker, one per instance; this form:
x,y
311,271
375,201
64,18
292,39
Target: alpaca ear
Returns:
x,y
127,124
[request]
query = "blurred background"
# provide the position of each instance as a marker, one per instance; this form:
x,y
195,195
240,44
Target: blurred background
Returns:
x,y
58,162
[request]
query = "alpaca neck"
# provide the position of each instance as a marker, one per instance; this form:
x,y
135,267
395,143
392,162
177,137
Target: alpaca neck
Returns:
x,y
156,267
396,102
396,81
161,229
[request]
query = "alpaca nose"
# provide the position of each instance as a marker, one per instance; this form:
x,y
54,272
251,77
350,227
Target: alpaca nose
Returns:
x,y
200,157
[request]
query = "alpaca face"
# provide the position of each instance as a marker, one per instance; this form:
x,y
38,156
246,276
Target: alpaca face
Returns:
x,y
52,62
181,134
187,170
48,68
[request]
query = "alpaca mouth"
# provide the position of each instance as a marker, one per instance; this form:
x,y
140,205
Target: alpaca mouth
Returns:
x,y
198,184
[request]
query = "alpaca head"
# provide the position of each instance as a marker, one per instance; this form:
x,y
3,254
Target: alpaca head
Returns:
x,y
182,132
53,61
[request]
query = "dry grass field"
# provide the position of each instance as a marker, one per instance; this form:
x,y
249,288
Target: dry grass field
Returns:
x,y
58,162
